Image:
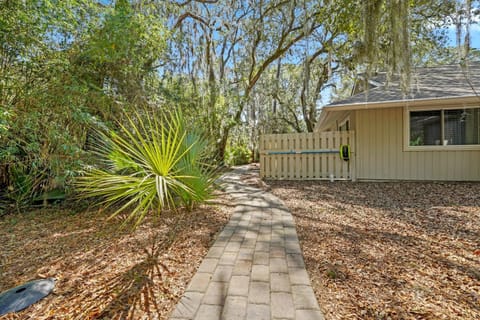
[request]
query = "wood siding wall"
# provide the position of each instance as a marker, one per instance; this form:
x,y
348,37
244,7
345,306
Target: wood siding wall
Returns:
x,y
381,155
287,162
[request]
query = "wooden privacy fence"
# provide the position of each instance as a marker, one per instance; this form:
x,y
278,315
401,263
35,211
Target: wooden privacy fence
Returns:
x,y
307,156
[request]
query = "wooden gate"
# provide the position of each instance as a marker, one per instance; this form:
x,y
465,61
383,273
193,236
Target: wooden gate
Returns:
x,y
307,156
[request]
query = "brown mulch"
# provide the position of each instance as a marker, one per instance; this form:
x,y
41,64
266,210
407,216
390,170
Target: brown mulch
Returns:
x,y
389,250
104,272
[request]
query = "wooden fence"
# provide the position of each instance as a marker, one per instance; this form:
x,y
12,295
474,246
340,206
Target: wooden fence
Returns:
x,y
307,156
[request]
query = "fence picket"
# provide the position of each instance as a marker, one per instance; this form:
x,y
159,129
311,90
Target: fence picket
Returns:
x,y
306,156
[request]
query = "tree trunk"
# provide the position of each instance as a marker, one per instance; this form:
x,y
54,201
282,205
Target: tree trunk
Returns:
x,y
222,146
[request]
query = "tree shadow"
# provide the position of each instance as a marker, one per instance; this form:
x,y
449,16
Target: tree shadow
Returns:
x,y
401,242
104,271
140,287
435,207
143,290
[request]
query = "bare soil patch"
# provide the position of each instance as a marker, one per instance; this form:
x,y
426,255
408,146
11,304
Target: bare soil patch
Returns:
x,y
103,272
389,250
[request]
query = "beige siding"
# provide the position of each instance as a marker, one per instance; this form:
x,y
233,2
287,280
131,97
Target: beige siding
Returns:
x,y
381,155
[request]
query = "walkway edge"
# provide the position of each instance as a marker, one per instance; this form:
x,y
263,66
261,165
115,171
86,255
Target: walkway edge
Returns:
x,y
255,268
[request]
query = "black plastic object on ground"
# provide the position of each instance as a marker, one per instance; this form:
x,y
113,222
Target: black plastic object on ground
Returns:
x,y
20,297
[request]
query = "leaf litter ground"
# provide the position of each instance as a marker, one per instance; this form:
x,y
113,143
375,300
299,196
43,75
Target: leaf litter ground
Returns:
x,y
103,272
388,250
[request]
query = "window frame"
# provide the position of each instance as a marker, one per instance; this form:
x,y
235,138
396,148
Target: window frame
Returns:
x,y
345,121
406,131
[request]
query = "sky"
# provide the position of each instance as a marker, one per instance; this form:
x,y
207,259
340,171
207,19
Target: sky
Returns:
x,y
474,36
474,31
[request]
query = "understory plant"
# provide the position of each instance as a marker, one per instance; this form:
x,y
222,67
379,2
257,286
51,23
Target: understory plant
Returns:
x,y
237,154
152,162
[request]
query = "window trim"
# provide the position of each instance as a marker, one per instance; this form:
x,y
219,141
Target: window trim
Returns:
x,y
406,131
343,122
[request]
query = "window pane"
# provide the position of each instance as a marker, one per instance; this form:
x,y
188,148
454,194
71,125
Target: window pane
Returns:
x,y
345,126
425,128
462,126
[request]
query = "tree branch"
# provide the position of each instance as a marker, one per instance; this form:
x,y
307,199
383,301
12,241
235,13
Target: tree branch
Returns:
x,y
199,1
190,15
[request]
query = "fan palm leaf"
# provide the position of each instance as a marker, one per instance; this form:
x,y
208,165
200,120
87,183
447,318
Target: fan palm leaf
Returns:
x,y
152,164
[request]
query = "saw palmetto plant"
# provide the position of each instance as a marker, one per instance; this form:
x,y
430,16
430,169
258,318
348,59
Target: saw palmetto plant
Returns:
x,y
151,163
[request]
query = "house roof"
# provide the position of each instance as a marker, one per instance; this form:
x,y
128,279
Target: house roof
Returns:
x,y
442,82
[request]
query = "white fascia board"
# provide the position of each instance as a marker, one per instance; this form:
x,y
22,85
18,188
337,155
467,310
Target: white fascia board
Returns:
x,y
399,103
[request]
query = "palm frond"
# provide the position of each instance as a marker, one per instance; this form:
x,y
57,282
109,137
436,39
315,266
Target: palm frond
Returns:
x,y
152,164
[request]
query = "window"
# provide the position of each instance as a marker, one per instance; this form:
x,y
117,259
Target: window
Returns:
x,y
445,127
462,126
425,128
345,126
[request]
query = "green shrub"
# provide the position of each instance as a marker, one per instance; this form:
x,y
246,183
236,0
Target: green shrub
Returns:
x,y
153,163
41,152
237,155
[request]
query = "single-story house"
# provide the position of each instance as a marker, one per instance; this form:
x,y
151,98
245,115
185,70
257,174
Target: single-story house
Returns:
x,y
430,133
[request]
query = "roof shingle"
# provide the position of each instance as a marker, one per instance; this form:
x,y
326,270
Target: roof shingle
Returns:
x,y
426,83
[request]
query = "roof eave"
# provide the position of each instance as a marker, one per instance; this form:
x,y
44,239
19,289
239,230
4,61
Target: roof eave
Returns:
x,y
400,103
323,119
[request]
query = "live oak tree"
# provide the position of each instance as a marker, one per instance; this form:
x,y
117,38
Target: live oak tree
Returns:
x,y
236,68
232,45
240,42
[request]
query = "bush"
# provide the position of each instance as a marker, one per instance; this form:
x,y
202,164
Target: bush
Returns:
x,y
41,153
153,163
237,155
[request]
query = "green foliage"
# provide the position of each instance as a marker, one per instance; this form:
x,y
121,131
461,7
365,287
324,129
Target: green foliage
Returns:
x,y
43,141
118,55
42,116
66,66
21,189
154,162
237,154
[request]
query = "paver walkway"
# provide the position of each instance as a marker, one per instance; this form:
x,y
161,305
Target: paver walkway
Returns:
x,y
255,268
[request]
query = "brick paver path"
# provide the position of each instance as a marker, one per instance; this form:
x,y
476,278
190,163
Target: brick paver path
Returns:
x,y
255,269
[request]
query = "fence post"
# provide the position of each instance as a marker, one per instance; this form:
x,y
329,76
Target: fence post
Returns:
x,y
261,150
353,157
